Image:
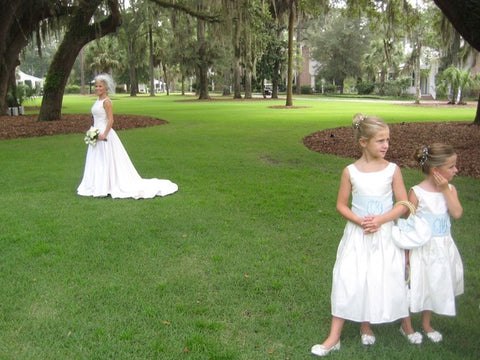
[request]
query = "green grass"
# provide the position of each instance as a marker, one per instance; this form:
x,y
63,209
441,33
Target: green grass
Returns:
x,y
236,265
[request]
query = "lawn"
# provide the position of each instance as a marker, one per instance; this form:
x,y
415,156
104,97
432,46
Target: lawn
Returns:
x,y
236,265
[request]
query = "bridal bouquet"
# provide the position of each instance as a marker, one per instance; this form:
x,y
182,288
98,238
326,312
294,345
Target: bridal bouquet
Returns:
x,y
91,136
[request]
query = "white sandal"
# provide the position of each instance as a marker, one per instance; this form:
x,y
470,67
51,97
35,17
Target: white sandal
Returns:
x,y
413,338
434,336
320,350
368,339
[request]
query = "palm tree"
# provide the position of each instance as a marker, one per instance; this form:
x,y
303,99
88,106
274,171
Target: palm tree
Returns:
x,y
450,81
103,57
465,82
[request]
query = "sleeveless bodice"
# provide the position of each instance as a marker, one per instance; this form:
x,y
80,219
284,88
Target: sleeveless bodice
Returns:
x,y
371,192
433,207
99,115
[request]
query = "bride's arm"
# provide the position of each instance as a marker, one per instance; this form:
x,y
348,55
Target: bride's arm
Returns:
x,y
107,105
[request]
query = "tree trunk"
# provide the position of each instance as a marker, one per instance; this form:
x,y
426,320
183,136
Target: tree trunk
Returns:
x,y
291,24
7,75
132,72
298,85
226,84
477,115
237,82
341,83
418,74
463,14
275,79
237,79
18,20
82,73
248,81
57,77
248,65
152,73
202,81
203,84
79,33
183,84
165,75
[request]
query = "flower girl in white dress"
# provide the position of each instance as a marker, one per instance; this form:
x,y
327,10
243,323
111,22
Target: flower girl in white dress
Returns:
x,y
368,277
108,168
436,269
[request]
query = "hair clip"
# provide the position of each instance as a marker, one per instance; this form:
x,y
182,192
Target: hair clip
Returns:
x,y
357,124
424,157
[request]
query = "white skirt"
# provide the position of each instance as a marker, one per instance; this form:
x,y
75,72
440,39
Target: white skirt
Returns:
x,y
369,277
436,273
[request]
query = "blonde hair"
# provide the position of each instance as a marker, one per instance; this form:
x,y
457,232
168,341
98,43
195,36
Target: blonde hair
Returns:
x,y
366,127
108,81
432,156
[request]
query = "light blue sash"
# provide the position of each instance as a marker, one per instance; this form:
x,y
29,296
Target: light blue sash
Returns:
x,y
440,224
363,205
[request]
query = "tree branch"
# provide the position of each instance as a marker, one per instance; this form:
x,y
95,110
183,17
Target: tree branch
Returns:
x,y
465,17
199,15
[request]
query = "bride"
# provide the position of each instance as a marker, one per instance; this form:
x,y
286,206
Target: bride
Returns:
x,y
108,168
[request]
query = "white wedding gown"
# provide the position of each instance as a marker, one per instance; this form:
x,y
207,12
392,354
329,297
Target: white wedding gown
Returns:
x,y
109,170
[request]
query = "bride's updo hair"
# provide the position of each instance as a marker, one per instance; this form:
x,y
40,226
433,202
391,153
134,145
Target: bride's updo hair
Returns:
x,y
432,156
366,127
108,81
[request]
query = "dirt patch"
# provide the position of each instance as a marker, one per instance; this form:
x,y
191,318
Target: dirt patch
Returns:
x,y
27,125
404,139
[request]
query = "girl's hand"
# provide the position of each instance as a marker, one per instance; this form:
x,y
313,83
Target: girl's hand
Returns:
x,y
440,181
370,224
102,137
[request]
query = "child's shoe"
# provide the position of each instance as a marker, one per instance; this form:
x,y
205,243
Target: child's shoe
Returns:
x,y
413,338
320,350
434,336
368,339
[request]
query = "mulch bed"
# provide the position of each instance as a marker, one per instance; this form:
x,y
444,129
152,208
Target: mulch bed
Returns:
x,y
12,127
404,139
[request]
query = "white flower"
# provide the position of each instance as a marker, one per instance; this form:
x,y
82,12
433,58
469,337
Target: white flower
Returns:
x,y
91,136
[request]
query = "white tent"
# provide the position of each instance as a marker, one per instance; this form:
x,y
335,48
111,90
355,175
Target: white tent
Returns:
x,y
30,80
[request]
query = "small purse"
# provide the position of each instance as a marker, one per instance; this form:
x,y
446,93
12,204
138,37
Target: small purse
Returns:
x,y
412,232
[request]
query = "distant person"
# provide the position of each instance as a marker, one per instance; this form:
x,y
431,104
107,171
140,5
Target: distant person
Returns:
x,y
108,168
368,284
436,268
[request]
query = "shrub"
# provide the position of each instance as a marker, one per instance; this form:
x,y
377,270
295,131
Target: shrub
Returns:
x,y
329,89
365,87
394,87
306,89
72,89
16,96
